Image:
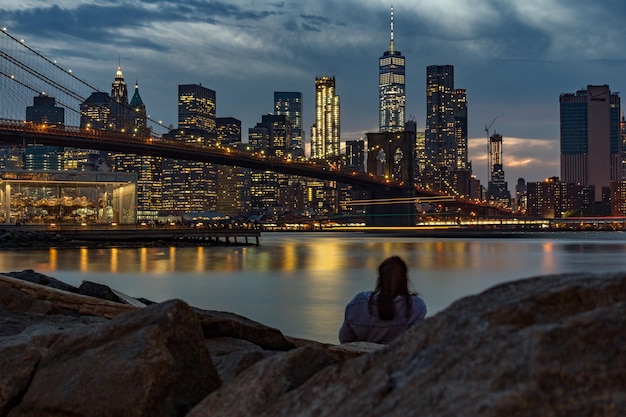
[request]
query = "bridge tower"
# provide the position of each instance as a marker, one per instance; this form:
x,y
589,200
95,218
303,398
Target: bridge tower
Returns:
x,y
391,155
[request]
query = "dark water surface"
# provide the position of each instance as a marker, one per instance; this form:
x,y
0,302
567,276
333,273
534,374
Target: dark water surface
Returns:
x,y
300,282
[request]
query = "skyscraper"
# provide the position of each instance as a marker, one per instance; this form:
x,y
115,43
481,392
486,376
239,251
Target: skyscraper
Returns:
x,y
391,91
590,142
325,133
39,157
196,107
497,188
289,103
445,138
190,186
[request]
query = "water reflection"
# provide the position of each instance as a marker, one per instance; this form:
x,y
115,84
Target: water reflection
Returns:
x,y
300,282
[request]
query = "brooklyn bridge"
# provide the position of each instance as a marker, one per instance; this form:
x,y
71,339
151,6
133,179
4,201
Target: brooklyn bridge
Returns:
x,y
25,73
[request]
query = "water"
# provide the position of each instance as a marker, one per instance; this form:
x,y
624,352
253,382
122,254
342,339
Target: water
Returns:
x,y
300,282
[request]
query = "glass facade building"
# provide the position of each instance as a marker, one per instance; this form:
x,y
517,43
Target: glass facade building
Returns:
x,y
591,146
67,197
325,133
289,103
391,88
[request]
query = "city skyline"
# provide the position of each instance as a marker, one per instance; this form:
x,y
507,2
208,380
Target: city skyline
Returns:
x,y
513,59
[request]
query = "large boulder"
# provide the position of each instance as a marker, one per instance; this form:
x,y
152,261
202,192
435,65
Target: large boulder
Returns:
x,y
224,324
548,346
147,362
264,383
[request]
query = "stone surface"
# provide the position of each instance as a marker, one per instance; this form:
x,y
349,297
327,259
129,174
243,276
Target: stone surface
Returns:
x,y
147,362
232,356
549,346
261,385
41,279
223,324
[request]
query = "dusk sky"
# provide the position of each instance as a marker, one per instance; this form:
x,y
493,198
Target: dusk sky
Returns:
x,y
514,58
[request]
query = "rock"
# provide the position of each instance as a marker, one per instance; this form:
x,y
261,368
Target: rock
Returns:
x,y
232,356
147,362
100,291
353,349
549,346
262,384
15,300
24,338
222,324
37,278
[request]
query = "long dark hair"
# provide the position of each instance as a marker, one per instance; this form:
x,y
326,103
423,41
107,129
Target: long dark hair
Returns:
x,y
392,281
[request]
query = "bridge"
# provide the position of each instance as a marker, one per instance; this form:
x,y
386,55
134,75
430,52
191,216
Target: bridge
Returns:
x,y
24,73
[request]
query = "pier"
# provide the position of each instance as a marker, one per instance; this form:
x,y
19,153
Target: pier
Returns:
x,y
175,233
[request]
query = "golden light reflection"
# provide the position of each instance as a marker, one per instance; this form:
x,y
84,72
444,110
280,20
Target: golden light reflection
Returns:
x,y
172,258
200,259
84,260
53,259
114,260
290,259
549,261
143,260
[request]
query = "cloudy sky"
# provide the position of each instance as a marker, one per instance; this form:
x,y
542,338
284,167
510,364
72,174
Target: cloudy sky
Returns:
x,y
514,57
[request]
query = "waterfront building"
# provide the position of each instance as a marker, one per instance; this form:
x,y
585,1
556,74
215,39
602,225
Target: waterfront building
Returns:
x,y
497,189
618,198
289,103
391,87
553,198
591,151
67,197
325,133
446,167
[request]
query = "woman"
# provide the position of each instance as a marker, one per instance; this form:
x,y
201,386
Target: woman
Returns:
x,y
381,315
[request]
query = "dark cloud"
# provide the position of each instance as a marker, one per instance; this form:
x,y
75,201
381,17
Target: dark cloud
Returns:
x,y
514,58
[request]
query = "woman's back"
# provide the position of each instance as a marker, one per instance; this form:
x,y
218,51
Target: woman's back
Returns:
x,y
362,322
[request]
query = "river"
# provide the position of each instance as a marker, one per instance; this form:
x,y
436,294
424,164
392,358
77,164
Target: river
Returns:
x,y
300,282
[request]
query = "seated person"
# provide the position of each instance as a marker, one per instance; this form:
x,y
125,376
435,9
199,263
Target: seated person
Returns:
x,y
381,315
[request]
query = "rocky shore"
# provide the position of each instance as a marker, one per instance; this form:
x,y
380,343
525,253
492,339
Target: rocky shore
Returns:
x,y
544,346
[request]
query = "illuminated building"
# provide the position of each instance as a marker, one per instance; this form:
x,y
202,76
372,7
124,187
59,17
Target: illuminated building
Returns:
x,y
355,154
43,157
590,140
497,189
391,89
233,183
325,133
228,130
190,186
445,138
67,197
148,168
289,103
555,199
196,107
